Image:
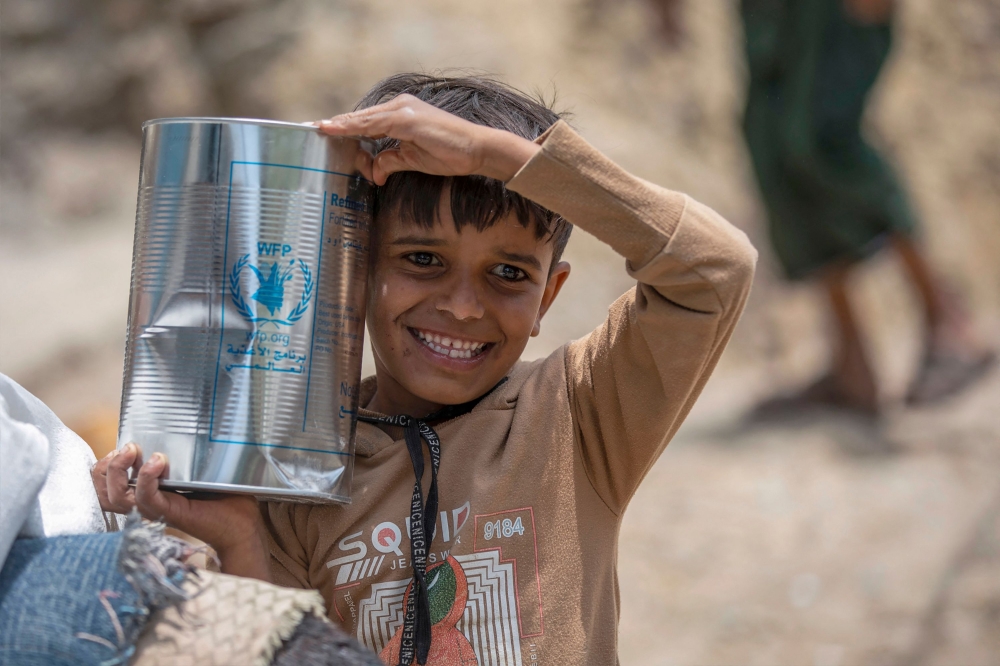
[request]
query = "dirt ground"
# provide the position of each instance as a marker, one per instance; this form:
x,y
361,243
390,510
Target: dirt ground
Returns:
x,y
815,539
819,539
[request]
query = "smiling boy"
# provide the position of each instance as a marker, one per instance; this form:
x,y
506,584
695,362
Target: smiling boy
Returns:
x,y
512,560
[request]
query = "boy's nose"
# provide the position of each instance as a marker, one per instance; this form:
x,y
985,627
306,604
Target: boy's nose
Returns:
x,y
461,300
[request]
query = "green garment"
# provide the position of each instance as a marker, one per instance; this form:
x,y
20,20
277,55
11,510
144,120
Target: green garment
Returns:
x,y
829,196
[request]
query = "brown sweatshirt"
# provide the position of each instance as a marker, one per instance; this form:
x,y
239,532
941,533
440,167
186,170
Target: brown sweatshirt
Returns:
x,y
535,479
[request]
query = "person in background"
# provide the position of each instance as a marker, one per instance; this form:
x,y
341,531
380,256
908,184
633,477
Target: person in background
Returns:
x,y
831,200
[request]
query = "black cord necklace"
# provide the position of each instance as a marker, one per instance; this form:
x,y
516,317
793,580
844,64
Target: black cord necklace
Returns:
x,y
416,635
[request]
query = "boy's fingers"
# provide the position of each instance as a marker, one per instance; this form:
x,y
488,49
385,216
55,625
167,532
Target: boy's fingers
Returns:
x,y
386,163
101,468
99,477
374,126
393,119
121,498
125,457
363,164
149,499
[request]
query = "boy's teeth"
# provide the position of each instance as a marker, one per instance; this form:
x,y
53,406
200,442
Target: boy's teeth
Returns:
x,y
453,348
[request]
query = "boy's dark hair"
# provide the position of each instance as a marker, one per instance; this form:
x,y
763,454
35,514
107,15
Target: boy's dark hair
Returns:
x,y
475,200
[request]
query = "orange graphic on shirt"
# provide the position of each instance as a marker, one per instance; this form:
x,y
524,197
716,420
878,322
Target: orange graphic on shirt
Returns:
x,y
448,592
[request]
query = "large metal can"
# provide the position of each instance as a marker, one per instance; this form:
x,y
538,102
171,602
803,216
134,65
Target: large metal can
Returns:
x,y
246,316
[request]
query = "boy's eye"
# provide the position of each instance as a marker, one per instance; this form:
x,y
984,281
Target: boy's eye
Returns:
x,y
508,272
423,259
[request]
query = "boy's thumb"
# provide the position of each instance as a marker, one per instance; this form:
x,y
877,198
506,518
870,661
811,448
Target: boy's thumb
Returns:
x,y
387,163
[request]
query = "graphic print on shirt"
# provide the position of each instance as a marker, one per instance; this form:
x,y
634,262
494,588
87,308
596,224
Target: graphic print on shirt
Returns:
x,y
448,592
385,539
486,605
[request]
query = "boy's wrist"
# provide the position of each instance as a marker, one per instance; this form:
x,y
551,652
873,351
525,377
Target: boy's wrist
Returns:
x,y
504,153
247,557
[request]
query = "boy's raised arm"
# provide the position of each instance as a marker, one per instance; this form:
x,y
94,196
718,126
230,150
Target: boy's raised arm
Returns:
x,y
634,379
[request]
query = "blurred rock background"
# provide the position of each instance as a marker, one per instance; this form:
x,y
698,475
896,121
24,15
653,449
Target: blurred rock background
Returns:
x,y
814,540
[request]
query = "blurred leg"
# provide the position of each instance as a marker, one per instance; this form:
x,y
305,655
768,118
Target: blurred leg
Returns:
x,y
850,375
923,279
953,356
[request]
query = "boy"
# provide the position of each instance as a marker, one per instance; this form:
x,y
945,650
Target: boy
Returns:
x,y
532,464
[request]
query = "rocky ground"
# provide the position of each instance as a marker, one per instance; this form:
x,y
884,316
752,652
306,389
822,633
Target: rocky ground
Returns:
x,y
813,539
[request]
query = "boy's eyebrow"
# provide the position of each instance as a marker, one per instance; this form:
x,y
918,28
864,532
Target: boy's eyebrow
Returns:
x,y
529,259
419,240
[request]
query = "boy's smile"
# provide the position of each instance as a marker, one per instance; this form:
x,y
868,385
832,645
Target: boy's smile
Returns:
x,y
444,348
450,311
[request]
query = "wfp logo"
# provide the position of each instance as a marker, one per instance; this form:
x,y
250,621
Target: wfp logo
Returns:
x,y
269,285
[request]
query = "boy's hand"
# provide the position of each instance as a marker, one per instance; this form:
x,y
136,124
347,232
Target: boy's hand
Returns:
x,y
110,477
432,141
231,524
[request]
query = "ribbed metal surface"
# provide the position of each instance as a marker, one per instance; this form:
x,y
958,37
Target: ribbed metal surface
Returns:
x,y
246,317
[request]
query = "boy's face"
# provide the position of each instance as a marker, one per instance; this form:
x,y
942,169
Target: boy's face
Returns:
x,y
450,312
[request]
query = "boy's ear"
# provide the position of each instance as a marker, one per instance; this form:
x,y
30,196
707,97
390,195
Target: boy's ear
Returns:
x,y
557,278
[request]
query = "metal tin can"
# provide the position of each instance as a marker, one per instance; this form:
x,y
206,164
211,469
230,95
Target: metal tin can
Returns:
x,y
246,315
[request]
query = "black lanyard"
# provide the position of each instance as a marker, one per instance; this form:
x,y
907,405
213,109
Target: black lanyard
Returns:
x,y
416,636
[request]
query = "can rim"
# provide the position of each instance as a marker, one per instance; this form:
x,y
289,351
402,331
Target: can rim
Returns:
x,y
208,120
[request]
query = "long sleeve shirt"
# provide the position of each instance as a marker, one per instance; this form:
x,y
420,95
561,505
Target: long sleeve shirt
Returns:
x,y
534,480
